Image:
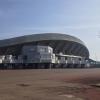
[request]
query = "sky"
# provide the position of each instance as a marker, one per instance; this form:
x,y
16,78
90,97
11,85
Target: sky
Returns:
x,y
79,18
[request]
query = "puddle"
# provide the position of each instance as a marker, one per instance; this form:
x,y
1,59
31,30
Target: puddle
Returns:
x,y
68,95
96,85
24,85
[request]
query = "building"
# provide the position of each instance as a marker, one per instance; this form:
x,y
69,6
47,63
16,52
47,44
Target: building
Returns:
x,y
48,50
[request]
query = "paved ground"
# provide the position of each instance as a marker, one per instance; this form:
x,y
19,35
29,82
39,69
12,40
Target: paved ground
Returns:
x,y
50,84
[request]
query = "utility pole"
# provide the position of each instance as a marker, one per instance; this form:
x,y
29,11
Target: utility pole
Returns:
x,y
96,58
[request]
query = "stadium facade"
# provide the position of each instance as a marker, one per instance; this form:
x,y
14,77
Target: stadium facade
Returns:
x,y
47,50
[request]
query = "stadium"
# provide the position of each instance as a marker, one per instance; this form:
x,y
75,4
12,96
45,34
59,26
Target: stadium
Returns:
x,y
45,50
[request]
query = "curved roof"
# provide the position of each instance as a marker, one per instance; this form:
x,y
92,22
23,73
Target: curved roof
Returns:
x,y
38,37
59,42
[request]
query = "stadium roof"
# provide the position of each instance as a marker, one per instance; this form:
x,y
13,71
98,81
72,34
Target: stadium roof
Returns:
x,y
38,37
59,42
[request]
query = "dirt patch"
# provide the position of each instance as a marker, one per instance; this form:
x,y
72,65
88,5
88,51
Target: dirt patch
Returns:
x,y
50,84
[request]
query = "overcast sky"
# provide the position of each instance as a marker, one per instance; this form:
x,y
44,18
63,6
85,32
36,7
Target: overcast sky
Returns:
x,y
80,18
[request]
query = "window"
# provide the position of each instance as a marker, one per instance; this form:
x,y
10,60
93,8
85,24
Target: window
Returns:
x,y
42,50
59,57
65,58
25,57
79,59
32,49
